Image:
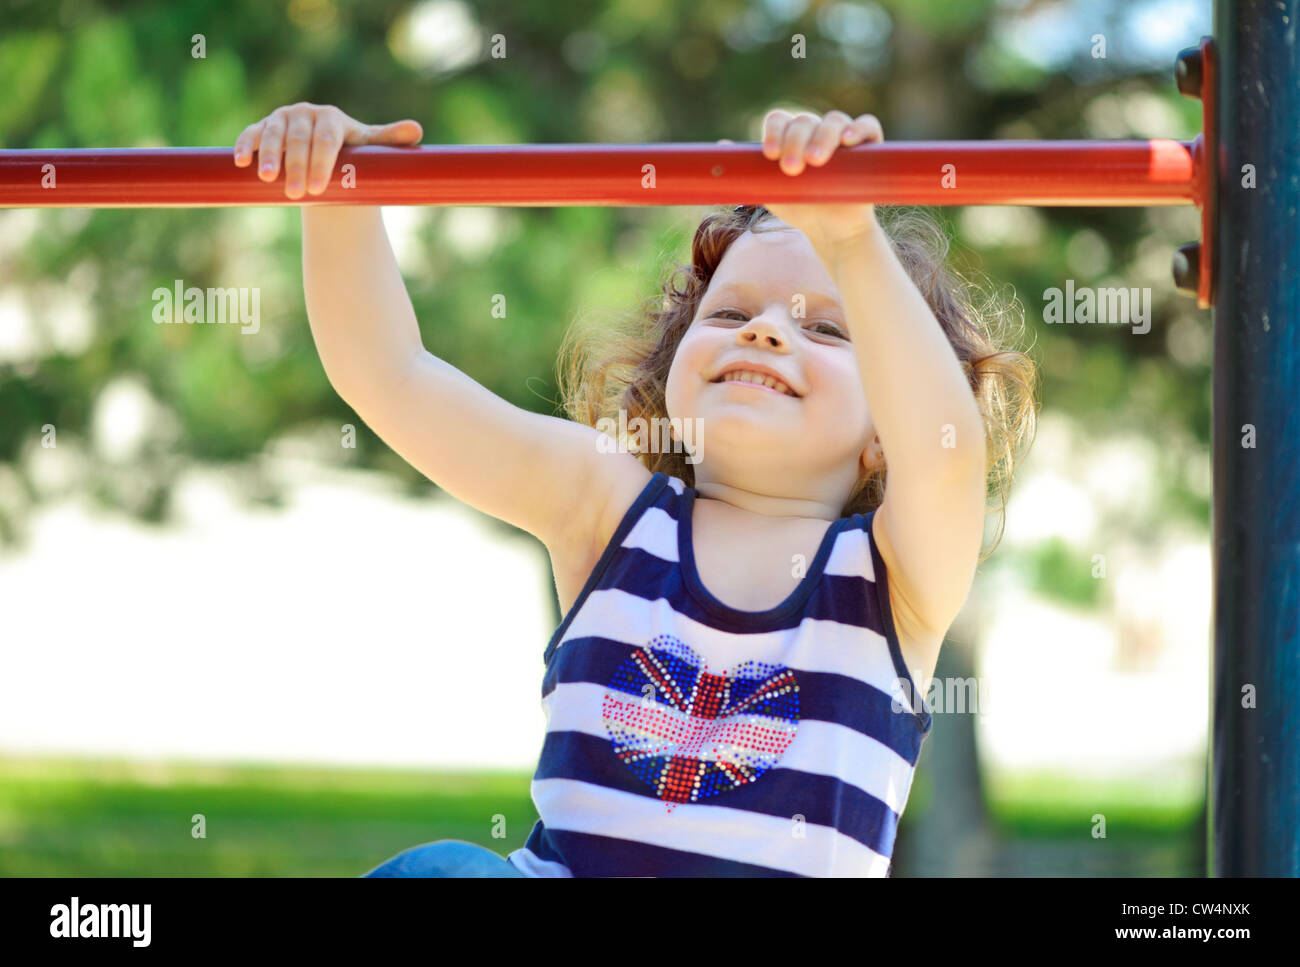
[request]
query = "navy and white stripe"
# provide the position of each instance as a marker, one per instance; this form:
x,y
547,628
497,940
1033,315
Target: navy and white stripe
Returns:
x,y
846,772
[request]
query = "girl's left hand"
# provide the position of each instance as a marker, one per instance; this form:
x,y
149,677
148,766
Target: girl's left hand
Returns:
x,y
799,139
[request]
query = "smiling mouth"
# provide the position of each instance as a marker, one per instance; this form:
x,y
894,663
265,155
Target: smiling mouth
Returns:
x,y
779,387
749,385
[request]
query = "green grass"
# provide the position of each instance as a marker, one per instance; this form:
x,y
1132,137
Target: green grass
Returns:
x,y
62,817
1046,825
1047,804
87,818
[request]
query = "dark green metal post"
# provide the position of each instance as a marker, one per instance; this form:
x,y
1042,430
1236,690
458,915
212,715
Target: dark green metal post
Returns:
x,y
1255,757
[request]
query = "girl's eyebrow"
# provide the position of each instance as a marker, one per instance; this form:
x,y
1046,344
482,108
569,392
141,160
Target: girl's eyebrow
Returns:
x,y
747,287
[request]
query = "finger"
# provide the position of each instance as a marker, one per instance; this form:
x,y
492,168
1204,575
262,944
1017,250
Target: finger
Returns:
x,y
399,132
247,143
326,139
795,141
826,138
268,153
773,127
864,130
297,149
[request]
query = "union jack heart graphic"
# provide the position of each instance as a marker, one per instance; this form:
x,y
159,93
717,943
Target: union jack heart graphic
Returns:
x,y
689,733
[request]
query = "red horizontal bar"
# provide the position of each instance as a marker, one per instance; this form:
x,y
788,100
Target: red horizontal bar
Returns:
x,y
1078,173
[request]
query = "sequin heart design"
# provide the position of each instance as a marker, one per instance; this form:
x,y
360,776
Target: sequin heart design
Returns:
x,y
689,733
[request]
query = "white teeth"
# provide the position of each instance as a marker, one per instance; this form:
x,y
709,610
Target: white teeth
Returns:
x,y
749,376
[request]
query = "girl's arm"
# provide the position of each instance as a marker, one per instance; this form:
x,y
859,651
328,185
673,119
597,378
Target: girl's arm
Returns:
x,y
931,520
540,473
543,474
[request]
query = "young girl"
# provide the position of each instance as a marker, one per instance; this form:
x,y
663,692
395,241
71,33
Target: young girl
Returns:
x,y
752,617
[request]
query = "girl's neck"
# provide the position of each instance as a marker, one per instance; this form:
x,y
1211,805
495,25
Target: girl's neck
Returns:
x,y
766,505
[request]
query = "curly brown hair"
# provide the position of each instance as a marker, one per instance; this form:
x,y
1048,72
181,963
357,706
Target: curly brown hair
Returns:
x,y
624,367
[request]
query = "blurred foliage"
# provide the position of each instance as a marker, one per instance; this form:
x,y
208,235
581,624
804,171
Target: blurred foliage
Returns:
x,y
89,73
1053,565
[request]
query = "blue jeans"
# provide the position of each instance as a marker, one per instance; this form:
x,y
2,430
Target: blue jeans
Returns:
x,y
446,857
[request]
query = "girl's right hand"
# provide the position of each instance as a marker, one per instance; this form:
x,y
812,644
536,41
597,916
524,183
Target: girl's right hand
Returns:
x,y
310,136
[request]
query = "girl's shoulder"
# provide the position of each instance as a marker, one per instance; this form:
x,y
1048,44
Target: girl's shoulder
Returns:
x,y
627,480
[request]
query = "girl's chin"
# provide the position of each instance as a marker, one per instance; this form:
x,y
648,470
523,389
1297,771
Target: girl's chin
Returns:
x,y
753,441
776,419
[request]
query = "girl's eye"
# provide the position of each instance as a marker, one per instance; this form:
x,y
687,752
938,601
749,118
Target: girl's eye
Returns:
x,y
834,329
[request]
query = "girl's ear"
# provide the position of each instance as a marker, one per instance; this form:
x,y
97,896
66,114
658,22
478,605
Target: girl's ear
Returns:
x,y
873,456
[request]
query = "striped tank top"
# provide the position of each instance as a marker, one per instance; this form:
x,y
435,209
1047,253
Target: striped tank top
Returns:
x,y
688,738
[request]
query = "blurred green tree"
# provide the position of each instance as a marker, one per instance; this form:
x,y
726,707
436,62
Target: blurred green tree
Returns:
x,y
86,73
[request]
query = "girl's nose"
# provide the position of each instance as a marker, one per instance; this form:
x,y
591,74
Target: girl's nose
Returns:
x,y
762,331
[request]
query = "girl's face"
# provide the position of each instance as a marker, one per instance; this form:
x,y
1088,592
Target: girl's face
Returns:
x,y
812,443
